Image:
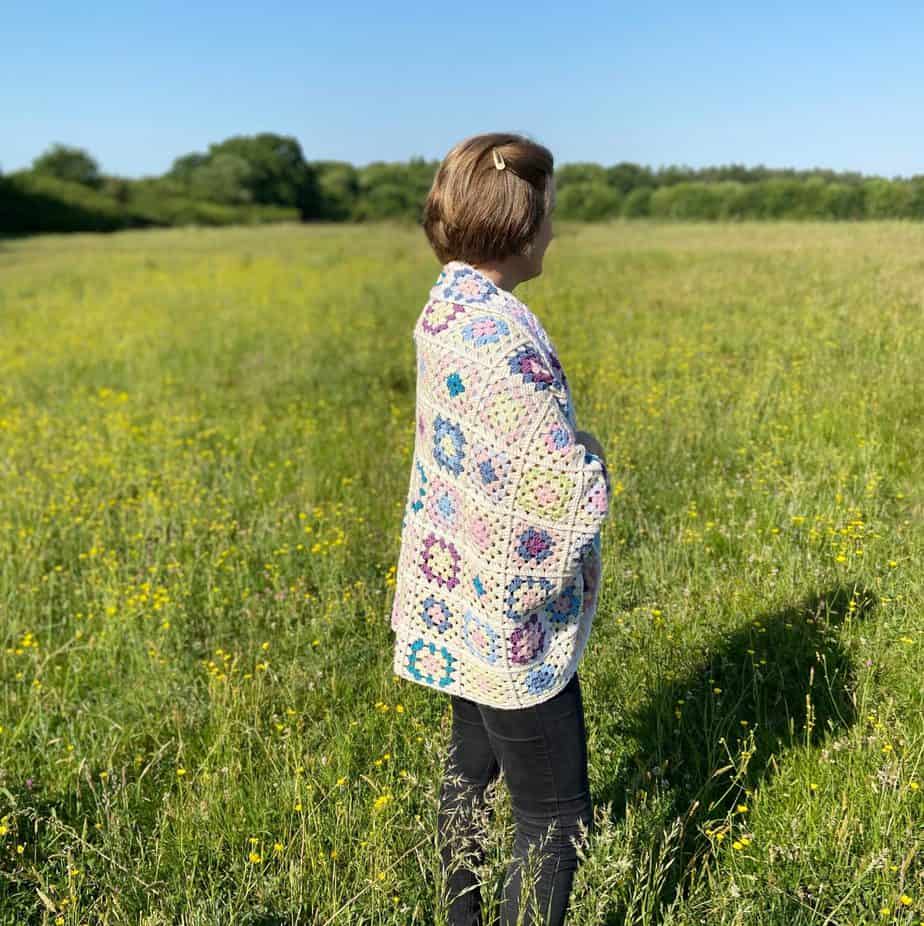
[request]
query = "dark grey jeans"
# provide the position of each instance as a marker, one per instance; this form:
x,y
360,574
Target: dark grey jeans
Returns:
x,y
542,751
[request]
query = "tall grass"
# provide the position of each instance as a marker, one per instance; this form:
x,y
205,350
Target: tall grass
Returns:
x,y
205,441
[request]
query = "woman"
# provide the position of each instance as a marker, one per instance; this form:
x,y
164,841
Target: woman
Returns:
x,y
499,569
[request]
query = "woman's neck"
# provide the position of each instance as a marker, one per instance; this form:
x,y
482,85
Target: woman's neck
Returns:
x,y
506,273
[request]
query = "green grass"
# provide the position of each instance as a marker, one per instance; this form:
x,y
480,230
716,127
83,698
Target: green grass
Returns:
x,y
205,441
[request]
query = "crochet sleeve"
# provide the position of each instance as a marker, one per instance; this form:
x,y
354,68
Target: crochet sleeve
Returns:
x,y
552,494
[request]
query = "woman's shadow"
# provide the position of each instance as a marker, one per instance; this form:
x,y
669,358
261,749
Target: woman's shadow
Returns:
x,y
691,737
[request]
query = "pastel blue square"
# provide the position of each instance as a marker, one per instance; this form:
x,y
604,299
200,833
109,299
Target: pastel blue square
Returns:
x,y
454,382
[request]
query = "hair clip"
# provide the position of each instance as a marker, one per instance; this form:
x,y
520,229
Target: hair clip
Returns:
x,y
499,162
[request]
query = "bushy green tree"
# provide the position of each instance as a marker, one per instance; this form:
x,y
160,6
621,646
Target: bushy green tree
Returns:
x,y
740,200
385,201
338,183
916,197
811,202
579,173
184,166
278,172
626,177
779,197
674,174
66,163
588,200
223,178
32,202
265,169
637,204
686,200
844,201
393,189
887,199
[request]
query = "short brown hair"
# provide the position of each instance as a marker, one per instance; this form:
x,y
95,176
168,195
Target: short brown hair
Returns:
x,y
475,212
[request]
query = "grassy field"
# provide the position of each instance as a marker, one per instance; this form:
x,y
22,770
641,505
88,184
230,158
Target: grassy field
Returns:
x,y
205,442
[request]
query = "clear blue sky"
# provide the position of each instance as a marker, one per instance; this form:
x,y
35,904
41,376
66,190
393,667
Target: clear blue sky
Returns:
x,y
797,84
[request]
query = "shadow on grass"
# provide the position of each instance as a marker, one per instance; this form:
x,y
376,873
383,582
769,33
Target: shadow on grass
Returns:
x,y
800,696
279,919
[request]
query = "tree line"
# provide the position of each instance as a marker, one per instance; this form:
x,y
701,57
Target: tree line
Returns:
x,y
266,178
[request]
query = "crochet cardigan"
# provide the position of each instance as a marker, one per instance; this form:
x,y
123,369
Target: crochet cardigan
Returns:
x,y
504,508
